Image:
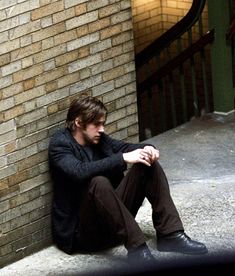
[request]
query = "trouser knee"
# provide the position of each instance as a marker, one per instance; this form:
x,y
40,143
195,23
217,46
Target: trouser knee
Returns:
x,y
100,185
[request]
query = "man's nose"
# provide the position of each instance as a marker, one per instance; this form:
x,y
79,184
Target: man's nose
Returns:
x,y
101,129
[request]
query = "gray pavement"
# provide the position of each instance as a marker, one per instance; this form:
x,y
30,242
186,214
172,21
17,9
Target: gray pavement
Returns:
x,y
199,160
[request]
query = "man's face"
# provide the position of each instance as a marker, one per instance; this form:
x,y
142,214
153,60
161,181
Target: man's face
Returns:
x,y
92,132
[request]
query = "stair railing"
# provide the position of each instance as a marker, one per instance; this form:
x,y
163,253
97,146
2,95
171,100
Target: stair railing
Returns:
x,y
173,75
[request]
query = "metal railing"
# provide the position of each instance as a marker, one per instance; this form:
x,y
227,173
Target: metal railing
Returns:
x,y
173,75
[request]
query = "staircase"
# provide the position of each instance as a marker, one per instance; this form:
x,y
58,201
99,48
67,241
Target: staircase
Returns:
x,y
174,76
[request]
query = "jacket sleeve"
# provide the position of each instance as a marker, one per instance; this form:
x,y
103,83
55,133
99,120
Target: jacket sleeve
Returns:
x,y
121,146
63,161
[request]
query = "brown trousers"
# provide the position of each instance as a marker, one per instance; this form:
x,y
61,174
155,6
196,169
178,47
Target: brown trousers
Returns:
x,y
107,215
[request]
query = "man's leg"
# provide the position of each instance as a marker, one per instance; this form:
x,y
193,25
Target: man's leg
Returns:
x,y
151,182
142,181
104,220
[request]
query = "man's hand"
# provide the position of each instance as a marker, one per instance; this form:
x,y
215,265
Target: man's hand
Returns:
x,y
146,156
152,152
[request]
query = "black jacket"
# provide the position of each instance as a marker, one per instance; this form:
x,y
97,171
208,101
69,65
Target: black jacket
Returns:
x,y
71,169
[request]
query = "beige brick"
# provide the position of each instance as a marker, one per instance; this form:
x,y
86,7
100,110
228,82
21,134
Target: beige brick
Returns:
x,y
99,25
116,115
28,73
65,37
7,103
103,88
31,117
25,29
52,109
109,10
123,37
131,109
48,32
63,15
5,81
102,67
82,41
48,43
81,20
7,171
27,62
96,4
8,137
111,128
80,9
23,7
47,10
35,159
28,84
33,182
85,62
50,53
85,84
24,197
10,147
71,3
112,52
17,178
133,130
9,24
114,73
6,3
48,65
22,154
7,126
50,76
68,79
122,59
4,185
12,90
30,94
53,97
82,31
127,121
66,58
110,31
32,139
5,59
120,135
120,17
51,86
113,95
3,162
29,50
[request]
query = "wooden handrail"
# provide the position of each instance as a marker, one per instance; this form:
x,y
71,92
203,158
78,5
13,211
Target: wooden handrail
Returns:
x,y
173,33
176,61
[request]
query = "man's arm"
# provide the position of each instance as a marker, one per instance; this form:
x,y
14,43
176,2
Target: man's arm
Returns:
x,y
134,153
62,160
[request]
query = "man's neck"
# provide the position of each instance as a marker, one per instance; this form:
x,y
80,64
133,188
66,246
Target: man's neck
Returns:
x,y
78,137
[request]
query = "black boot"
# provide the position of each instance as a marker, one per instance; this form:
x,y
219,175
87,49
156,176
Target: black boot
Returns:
x,y
139,255
179,242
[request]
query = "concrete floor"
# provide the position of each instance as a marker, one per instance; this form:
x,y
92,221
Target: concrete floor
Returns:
x,y
199,160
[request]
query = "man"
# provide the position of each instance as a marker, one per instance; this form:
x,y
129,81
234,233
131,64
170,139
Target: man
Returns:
x,y
94,204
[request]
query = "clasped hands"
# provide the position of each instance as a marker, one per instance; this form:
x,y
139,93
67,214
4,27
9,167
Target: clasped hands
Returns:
x,y
147,156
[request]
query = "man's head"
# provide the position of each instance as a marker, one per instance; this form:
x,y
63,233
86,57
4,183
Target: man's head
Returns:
x,y
85,119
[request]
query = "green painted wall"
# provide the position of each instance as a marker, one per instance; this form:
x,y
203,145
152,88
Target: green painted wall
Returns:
x,y
223,89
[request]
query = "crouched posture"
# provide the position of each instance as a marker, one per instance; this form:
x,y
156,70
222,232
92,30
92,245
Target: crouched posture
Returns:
x,y
94,204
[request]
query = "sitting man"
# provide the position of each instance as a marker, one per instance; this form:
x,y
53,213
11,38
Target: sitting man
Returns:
x,y
95,204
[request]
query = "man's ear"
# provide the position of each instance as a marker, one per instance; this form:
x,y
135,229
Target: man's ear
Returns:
x,y
78,122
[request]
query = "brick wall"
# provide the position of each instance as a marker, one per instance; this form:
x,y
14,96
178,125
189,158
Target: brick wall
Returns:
x,y
153,17
50,52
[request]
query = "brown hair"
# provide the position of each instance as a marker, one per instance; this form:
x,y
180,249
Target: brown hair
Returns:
x,y
89,109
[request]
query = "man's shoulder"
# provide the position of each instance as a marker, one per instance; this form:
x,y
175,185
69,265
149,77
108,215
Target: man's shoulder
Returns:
x,y
60,136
